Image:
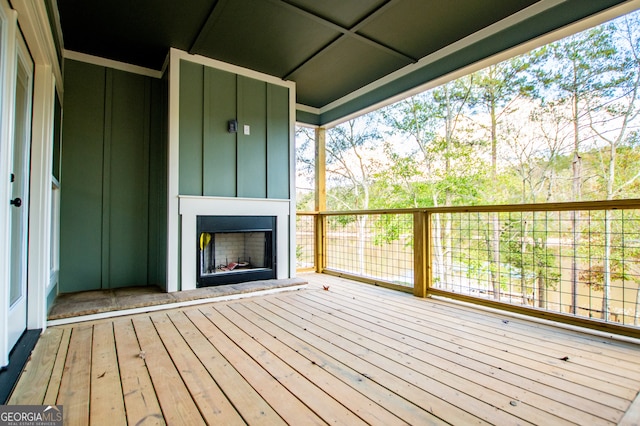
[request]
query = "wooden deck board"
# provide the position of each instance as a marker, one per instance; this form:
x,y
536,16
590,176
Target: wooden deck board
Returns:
x,y
539,344
178,407
290,408
353,354
106,389
356,402
36,378
214,406
75,386
252,408
139,396
501,353
497,386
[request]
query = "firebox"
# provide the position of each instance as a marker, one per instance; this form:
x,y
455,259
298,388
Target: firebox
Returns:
x,y
234,249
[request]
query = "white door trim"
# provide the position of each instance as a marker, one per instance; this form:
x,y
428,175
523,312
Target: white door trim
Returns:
x,y
33,20
34,24
8,30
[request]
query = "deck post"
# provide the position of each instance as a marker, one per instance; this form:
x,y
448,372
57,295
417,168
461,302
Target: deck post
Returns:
x,y
320,197
421,254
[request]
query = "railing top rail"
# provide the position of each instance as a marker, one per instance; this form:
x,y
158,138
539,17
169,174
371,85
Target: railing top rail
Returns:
x,y
567,206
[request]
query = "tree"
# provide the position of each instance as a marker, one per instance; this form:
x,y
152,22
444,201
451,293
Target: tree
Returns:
x,y
352,162
496,89
435,122
613,118
574,71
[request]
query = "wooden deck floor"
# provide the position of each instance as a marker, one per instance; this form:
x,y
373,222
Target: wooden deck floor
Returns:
x,y
352,354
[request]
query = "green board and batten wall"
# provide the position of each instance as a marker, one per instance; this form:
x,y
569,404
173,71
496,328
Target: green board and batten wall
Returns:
x,y
215,162
114,163
113,179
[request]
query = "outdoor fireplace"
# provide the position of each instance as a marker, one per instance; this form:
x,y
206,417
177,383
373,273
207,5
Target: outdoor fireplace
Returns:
x,y
234,249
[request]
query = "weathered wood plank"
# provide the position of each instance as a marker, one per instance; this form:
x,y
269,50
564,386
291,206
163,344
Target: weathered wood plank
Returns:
x,y
311,395
75,386
452,368
35,377
417,395
139,396
408,412
252,407
174,398
538,342
357,403
464,344
490,407
51,396
489,346
286,404
106,389
204,391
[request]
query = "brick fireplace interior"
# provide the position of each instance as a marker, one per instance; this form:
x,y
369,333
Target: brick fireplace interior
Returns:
x,y
233,249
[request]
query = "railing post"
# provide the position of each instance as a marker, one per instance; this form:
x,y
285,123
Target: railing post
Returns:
x,y
421,253
320,247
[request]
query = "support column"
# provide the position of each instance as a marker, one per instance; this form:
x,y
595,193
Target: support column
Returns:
x,y
320,197
321,167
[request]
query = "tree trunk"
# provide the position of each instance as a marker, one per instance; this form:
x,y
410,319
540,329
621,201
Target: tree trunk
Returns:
x,y
576,192
542,292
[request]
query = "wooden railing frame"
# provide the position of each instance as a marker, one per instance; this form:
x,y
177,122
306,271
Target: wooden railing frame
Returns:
x,y
423,272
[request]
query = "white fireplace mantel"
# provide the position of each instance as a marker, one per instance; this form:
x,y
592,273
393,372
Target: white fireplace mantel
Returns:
x,y
191,207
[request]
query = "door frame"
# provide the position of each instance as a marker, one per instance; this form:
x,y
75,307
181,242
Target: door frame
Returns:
x,y
17,313
8,57
32,20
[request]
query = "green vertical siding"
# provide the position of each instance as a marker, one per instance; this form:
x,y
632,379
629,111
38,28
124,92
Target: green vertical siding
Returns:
x,y
219,147
81,178
214,162
157,270
252,148
191,126
108,133
129,180
278,164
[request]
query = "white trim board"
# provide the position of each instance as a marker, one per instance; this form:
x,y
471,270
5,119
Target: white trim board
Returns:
x,y
178,55
109,63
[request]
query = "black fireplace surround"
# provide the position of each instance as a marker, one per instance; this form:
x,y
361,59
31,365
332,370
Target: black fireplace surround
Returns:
x,y
235,249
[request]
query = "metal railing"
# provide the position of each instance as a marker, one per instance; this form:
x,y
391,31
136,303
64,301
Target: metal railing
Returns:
x,y
574,262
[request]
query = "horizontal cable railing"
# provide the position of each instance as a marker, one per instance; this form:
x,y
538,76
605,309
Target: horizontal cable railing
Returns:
x,y
580,261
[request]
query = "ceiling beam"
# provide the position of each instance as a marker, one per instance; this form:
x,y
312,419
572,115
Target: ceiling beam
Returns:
x,y
207,25
345,32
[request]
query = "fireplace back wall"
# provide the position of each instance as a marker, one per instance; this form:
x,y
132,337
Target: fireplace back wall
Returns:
x,y
234,249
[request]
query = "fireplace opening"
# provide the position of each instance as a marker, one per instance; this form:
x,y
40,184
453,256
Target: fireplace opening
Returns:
x,y
234,249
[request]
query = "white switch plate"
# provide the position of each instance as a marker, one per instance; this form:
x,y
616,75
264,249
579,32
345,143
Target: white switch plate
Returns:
x,y
247,129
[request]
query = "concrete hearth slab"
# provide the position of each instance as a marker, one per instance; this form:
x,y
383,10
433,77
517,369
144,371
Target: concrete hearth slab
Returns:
x,y
101,301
